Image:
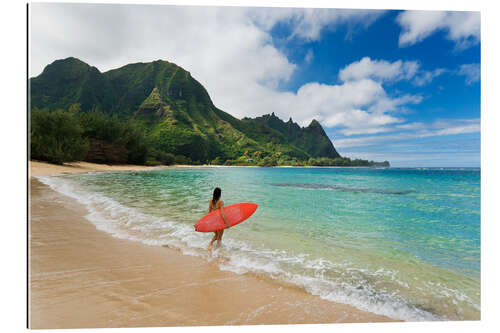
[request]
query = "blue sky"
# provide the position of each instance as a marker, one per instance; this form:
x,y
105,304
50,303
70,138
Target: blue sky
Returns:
x,y
402,86
450,98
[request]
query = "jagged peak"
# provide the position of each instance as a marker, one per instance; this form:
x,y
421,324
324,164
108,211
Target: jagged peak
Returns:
x,y
161,61
314,123
271,115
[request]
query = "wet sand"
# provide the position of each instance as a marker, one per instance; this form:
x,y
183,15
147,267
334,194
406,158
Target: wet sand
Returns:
x,y
81,277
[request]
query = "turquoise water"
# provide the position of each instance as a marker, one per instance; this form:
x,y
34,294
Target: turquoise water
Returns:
x,y
400,242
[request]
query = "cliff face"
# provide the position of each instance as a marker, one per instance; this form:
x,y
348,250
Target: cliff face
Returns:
x,y
175,110
311,139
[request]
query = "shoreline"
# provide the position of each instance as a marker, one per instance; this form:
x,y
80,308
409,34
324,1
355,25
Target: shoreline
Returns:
x,y
81,277
41,168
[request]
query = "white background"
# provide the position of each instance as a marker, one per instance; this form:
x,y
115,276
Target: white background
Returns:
x,y
13,151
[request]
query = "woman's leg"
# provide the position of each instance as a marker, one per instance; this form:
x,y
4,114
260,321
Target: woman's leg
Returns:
x,y
212,241
219,237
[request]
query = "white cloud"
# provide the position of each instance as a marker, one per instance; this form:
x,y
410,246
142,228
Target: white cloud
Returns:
x,y
425,77
415,131
379,70
472,72
109,36
464,28
308,23
309,56
228,49
353,107
385,71
394,104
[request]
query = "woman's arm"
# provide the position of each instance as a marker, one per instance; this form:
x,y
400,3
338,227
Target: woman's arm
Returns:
x,y
222,213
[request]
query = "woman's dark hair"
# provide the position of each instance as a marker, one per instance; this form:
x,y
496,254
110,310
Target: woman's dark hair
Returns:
x,y
216,197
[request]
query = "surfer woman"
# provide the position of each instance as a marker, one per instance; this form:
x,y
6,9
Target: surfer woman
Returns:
x,y
214,204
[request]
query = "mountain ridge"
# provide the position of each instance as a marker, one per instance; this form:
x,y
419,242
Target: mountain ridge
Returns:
x,y
176,111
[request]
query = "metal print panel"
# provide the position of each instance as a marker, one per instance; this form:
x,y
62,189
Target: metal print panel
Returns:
x,y
356,132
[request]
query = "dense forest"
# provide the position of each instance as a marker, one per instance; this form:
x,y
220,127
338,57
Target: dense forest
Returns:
x,y
156,113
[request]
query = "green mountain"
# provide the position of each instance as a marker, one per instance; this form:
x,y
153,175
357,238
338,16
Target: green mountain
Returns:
x,y
311,139
69,81
176,112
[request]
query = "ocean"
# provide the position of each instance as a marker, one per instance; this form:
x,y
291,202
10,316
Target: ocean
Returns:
x,y
401,242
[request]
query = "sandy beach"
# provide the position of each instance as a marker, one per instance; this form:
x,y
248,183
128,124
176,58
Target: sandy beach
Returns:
x,y
80,277
38,168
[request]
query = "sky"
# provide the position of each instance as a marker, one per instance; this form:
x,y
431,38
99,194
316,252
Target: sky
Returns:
x,y
402,86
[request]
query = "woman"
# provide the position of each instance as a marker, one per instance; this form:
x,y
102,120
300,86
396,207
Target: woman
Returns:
x,y
214,204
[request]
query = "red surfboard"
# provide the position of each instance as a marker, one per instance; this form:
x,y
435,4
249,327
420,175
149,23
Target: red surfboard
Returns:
x,y
235,214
